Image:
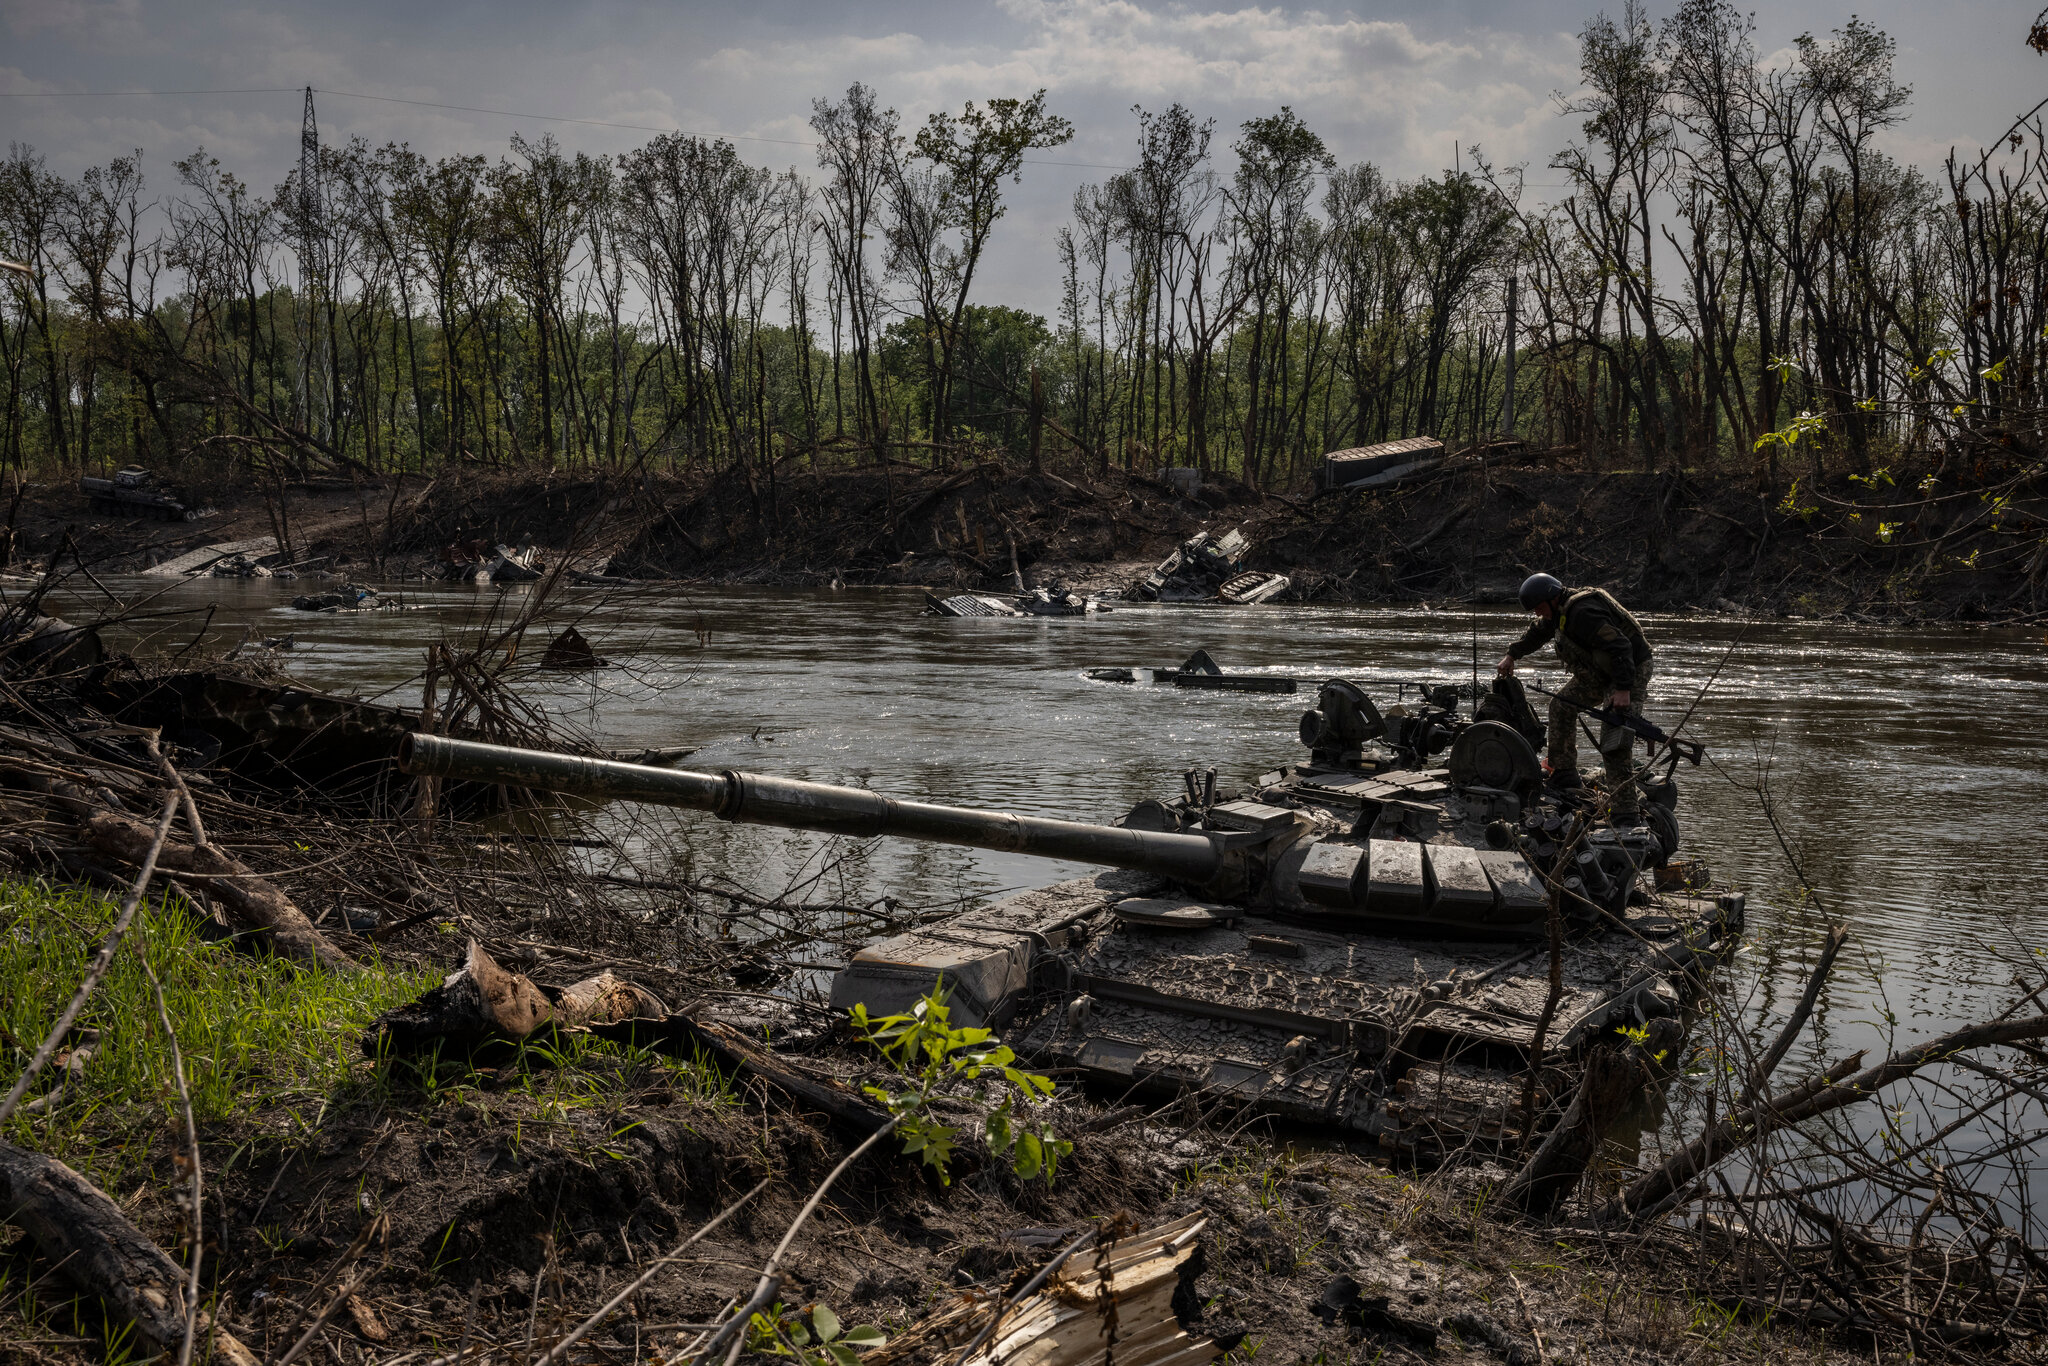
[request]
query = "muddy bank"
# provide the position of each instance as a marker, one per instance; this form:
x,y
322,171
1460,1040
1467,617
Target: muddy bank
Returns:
x,y
1469,533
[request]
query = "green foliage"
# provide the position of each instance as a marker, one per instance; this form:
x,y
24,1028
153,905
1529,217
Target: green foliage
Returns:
x,y
1790,506
927,1050
812,1335
257,1034
1806,424
1638,1035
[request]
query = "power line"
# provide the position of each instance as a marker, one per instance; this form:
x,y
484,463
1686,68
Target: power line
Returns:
x,y
110,94
536,118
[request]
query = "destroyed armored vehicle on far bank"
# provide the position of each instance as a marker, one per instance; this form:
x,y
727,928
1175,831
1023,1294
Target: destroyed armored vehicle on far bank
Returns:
x,y
1357,940
135,492
1208,568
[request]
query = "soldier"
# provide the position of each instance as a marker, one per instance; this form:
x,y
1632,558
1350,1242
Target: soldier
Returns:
x,y
1610,664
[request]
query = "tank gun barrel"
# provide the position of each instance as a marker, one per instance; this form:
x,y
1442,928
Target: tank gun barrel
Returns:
x,y
763,799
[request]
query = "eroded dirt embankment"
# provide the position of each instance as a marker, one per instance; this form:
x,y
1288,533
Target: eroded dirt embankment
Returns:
x,y
1661,540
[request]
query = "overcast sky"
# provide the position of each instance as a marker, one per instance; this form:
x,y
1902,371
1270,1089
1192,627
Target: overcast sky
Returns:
x,y
1398,84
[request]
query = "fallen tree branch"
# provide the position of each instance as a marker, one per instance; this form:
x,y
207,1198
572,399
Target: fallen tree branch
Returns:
x,y
246,895
1840,1085
771,1271
74,1223
1838,935
195,1230
680,1035
561,1349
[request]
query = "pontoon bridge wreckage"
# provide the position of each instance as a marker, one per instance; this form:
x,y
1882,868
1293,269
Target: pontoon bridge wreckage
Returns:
x,y
1358,941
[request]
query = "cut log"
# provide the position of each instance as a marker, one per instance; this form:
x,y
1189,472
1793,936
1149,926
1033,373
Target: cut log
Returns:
x,y
1126,1287
78,1228
250,901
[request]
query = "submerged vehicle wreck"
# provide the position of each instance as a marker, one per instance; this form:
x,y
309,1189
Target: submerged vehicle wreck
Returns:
x,y
1209,568
1383,466
1045,601
1199,671
1357,942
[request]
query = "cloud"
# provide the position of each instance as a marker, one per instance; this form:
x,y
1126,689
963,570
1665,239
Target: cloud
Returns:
x,y
1397,83
106,23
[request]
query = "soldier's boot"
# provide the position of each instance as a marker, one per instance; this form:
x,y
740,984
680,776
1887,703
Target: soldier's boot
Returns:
x,y
1563,780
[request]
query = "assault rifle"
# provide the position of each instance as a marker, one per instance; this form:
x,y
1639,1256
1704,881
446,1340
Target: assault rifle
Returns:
x,y
1692,751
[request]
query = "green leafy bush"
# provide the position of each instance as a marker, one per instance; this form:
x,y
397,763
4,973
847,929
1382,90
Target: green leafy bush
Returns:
x,y
926,1051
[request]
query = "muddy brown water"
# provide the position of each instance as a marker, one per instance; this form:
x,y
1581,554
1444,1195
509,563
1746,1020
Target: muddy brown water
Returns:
x,y
1909,766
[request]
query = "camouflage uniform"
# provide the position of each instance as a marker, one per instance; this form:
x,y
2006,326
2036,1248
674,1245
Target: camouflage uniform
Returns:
x,y
1605,649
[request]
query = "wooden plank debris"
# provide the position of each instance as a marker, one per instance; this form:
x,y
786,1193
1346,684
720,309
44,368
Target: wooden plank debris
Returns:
x,y
1109,1303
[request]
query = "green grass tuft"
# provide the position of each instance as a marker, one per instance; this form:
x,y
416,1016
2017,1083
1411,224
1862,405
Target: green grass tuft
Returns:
x,y
261,1036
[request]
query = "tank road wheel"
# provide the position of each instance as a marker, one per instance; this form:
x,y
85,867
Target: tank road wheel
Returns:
x,y
1493,754
1664,826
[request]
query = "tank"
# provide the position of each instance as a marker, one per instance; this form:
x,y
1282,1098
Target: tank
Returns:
x,y
1357,940
135,492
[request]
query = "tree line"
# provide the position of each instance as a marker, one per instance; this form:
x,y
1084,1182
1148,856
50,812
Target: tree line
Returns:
x,y
1733,279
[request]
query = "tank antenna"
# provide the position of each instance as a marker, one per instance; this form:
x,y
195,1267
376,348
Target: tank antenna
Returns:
x,y
1472,613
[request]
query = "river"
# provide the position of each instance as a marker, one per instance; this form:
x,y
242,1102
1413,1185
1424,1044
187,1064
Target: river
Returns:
x,y
1909,766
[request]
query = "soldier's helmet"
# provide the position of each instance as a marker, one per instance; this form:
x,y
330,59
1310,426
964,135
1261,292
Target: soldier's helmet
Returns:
x,y
1540,588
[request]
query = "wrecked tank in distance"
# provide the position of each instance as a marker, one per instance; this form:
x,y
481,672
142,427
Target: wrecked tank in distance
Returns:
x,y
1208,568
1356,942
1049,600
479,561
135,492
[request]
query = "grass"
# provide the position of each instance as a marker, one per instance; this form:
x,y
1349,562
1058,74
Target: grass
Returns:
x,y
260,1036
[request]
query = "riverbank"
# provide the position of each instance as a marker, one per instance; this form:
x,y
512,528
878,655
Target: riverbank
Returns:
x,y
1663,542
502,1206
